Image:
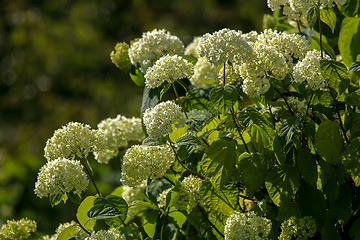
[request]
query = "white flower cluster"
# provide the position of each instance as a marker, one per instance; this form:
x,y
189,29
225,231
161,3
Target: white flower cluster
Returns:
x,y
153,45
297,10
246,226
224,45
74,139
62,227
205,74
61,176
111,234
160,119
17,229
142,162
131,194
292,46
309,70
161,199
189,193
298,228
120,56
168,68
191,47
117,133
298,106
274,55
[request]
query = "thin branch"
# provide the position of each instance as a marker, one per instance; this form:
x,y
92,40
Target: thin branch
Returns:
x,y
91,178
178,99
286,102
212,225
76,219
339,116
238,129
178,159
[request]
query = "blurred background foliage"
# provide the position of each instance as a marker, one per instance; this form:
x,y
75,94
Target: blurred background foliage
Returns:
x,y
55,68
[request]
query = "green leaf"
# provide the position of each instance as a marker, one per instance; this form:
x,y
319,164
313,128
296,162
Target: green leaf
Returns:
x,y
224,97
222,201
177,217
67,233
254,169
187,145
75,198
289,127
282,183
350,8
136,76
82,211
328,142
149,221
312,203
354,72
353,98
308,167
354,232
260,139
329,230
279,151
335,74
190,58
151,97
288,209
311,16
219,161
349,39
57,199
351,157
35,236
154,140
260,120
109,207
328,17
315,44
164,89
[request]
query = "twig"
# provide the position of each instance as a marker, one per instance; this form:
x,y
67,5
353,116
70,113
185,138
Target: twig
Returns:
x,y
212,225
76,219
91,178
178,159
238,129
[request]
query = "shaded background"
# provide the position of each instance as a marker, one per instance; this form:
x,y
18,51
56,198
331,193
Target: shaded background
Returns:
x,y
55,68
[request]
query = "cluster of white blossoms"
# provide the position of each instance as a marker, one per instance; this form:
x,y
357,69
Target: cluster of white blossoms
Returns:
x,y
309,70
224,45
117,133
74,139
120,56
205,74
153,45
131,194
141,162
298,228
63,226
17,229
61,176
292,46
189,193
168,68
297,10
298,106
191,47
161,199
160,119
111,234
246,226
